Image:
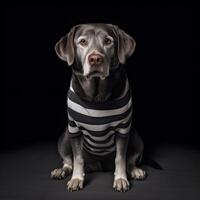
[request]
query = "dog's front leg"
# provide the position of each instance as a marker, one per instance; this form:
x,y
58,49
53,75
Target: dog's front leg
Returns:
x,y
121,183
76,182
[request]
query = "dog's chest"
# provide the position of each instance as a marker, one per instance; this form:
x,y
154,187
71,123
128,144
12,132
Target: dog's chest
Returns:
x,y
99,123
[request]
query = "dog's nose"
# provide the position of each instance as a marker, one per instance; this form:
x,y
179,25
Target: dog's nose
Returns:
x,y
95,59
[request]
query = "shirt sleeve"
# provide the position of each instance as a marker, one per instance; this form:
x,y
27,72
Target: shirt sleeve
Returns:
x,y
74,131
124,129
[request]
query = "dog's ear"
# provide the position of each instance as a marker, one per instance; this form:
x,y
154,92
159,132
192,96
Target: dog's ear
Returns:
x,y
126,44
65,47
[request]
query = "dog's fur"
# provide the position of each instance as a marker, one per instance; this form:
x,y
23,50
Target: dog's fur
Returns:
x,y
112,46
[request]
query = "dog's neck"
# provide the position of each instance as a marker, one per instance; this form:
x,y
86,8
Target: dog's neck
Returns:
x,y
97,90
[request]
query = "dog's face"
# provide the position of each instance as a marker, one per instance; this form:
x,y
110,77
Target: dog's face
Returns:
x,y
95,50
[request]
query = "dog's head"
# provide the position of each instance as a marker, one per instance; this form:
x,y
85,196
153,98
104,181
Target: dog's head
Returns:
x,y
95,49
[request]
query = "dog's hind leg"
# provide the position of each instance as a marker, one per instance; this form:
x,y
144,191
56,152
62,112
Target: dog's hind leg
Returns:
x,y
65,151
135,151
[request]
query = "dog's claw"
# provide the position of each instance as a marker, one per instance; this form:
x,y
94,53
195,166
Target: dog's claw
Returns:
x,y
121,185
60,173
75,184
138,174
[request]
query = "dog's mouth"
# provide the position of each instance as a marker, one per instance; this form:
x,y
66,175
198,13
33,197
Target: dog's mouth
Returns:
x,y
96,74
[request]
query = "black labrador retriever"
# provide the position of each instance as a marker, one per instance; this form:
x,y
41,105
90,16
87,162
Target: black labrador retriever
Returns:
x,y
100,135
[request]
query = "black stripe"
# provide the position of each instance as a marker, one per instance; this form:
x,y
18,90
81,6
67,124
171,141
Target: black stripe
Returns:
x,y
97,153
96,147
122,135
75,134
72,123
97,120
90,151
112,104
110,128
95,150
99,142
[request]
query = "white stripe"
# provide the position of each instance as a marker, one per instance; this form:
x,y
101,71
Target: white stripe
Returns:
x,y
102,127
99,138
98,113
73,129
71,88
124,130
101,145
102,153
69,117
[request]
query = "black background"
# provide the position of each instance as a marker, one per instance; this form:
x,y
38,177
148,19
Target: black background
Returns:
x,y
36,81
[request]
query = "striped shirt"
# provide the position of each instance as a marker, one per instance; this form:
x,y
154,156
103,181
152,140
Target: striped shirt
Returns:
x,y
99,123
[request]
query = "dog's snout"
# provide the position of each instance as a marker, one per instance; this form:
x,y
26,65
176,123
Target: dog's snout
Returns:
x,y
95,59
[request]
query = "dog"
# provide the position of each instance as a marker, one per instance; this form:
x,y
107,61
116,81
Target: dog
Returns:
x,y
100,135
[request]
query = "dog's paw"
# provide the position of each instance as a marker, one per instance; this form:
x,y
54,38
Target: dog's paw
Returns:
x,y
60,173
75,184
138,174
121,185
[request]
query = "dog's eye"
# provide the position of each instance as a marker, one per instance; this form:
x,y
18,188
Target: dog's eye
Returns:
x,y
107,41
83,42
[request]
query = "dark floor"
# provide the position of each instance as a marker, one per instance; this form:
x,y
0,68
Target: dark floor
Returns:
x,y
24,175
